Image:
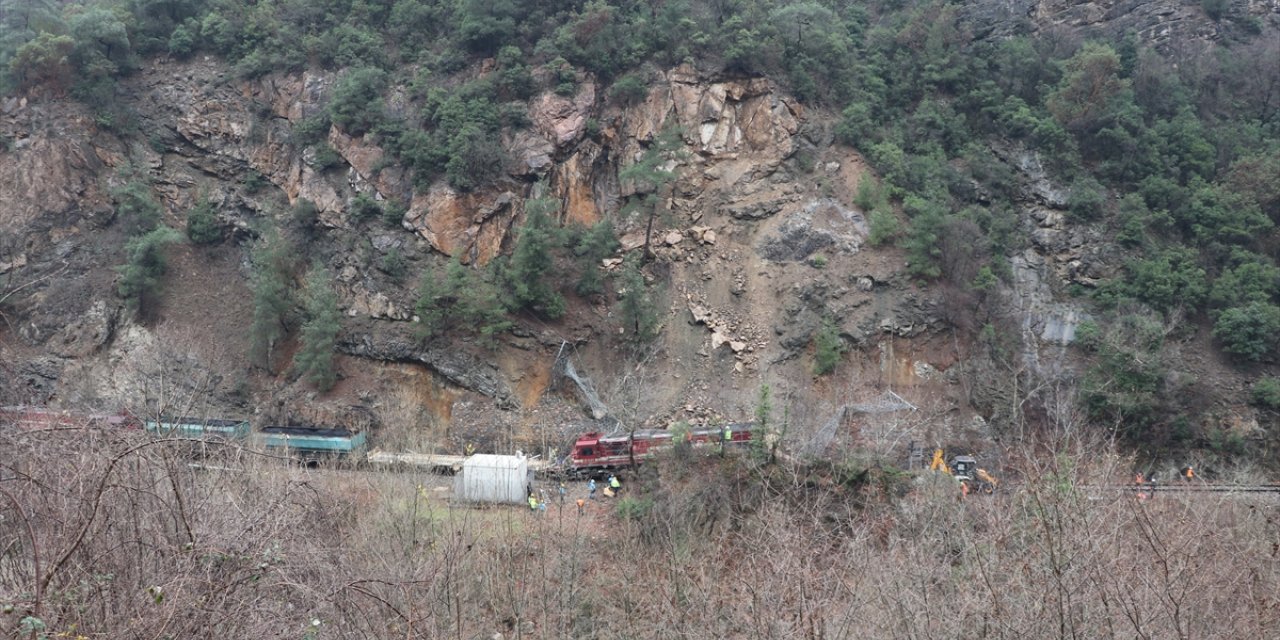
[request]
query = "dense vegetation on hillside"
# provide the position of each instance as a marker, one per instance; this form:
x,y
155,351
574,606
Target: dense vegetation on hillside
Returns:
x,y
1175,153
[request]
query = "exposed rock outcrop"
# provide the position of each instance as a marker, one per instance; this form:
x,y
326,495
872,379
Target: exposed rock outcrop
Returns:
x,y
453,364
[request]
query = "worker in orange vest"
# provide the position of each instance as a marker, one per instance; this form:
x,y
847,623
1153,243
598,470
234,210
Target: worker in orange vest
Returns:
x,y
1188,473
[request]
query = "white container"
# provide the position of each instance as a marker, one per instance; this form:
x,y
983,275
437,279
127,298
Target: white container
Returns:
x,y
493,478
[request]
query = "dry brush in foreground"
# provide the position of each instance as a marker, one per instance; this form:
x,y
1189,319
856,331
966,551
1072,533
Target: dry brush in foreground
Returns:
x,y
109,536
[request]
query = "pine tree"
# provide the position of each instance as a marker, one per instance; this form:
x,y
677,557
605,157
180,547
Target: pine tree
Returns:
x,y
651,177
462,299
136,207
314,360
639,317
531,263
430,306
140,275
272,299
202,223
764,418
596,244
828,347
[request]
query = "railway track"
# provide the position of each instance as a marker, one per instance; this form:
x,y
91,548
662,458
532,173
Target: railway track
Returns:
x,y
1186,490
1197,488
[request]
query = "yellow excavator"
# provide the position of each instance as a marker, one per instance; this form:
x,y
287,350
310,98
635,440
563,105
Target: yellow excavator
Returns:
x,y
965,470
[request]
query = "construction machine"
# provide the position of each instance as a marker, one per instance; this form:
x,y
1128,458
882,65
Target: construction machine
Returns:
x,y
966,471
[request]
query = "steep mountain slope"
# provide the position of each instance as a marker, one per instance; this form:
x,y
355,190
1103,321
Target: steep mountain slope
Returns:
x,y
762,242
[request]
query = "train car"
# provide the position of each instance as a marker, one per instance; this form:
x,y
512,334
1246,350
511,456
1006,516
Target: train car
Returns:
x,y
312,443
30,417
200,428
595,452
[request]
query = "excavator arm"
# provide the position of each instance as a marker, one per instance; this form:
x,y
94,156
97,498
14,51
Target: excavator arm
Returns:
x,y
988,479
939,463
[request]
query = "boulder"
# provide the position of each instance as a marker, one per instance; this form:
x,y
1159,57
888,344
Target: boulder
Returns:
x,y
563,119
530,152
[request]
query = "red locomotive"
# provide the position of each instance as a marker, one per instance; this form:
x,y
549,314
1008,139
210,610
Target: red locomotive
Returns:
x,y
594,452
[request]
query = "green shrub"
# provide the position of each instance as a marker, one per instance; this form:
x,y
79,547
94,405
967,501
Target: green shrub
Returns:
x,y
136,207
1089,335
431,306
324,157
202,223
1170,279
475,158
357,104
306,215
1249,332
806,159
393,263
629,90
633,508
254,181
1215,9
393,212
828,347
883,227
1086,199
1266,393
923,239
44,60
870,195
1227,442
856,125
485,25
312,129
365,207
182,42
1253,279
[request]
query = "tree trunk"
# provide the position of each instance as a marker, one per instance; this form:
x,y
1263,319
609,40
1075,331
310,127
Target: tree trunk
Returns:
x,y
648,234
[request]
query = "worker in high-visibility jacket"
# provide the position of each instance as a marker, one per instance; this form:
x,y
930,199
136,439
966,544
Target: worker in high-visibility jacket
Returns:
x,y
614,484
533,503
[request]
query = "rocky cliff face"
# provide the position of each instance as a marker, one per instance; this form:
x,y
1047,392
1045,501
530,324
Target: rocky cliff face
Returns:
x,y
760,248
734,252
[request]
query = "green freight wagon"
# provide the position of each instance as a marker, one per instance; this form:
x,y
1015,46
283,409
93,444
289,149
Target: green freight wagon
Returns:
x,y
187,427
312,442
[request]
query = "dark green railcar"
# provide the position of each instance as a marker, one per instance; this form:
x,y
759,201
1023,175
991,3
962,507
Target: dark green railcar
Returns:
x,y
312,442
203,428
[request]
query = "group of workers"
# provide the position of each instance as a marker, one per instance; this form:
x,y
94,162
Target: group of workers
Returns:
x,y
1147,484
612,488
